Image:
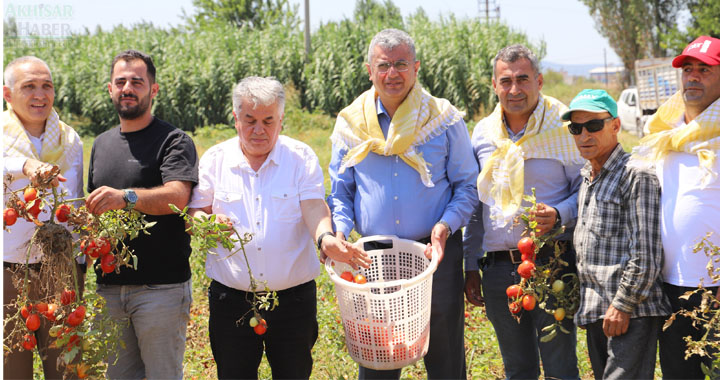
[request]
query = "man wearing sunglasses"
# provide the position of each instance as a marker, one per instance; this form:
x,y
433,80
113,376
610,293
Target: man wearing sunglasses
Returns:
x,y
619,253
402,165
522,145
683,144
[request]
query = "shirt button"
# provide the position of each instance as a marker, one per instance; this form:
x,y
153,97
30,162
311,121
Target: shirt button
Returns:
x,y
257,199
396,198
395,174
259,248
256,174
397,221
262,274
258,223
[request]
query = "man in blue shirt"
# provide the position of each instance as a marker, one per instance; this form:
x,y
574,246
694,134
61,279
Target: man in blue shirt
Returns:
x,y
524,143
402,165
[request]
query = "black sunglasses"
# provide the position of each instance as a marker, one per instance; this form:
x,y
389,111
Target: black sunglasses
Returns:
x,y
591,126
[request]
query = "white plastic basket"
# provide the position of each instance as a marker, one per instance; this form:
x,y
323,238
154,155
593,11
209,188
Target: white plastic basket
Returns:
x,y
387,320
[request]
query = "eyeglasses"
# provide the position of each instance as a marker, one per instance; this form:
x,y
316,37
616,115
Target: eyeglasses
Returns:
x,y
591,126
400,66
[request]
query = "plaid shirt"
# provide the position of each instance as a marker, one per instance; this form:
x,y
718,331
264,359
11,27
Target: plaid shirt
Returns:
x,y
618,244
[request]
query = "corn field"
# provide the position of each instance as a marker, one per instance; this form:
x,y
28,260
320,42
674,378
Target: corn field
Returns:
x,y
197,68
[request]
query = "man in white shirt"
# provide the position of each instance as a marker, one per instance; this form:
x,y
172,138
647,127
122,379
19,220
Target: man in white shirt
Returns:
x,y
270,186
684,143
34,139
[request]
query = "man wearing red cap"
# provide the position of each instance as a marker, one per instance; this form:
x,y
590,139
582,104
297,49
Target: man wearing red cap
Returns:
x,y
683,145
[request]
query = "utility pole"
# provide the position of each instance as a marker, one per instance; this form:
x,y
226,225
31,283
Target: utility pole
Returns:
x,y
607,84
307,30
490,9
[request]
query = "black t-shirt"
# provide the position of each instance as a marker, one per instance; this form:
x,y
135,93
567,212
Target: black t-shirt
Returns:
x,y
148,158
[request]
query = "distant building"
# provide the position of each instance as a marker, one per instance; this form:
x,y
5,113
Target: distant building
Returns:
x,y
610,76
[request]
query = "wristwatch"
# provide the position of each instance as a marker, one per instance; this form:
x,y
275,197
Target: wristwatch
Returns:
x,y
444,223
320,239
130,197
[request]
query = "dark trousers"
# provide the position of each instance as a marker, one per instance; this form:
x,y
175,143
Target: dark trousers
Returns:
x,y
628,356
446,355
672,342
291,333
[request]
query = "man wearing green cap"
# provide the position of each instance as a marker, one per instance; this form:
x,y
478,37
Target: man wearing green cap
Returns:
x,y
618,245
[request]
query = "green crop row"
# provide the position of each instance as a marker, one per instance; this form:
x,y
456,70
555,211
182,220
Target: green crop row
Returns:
x,y
197,68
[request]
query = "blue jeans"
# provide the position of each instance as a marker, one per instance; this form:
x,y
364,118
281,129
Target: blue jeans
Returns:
x,y
154,322
446,353
520,344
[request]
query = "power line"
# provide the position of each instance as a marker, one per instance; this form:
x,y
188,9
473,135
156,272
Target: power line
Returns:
x,y
488,10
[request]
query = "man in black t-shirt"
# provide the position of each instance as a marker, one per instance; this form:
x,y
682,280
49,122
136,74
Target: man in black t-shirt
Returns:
x,y
145,164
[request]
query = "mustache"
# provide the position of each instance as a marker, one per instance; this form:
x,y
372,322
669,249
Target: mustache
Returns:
x,y
128,96
694,86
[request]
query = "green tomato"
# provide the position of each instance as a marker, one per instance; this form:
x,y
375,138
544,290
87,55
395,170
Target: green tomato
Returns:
x,y
558,286
253,322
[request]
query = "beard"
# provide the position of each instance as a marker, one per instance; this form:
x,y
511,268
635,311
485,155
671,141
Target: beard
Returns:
x,y
131,112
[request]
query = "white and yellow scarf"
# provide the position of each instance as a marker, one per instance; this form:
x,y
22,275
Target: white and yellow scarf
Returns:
x,y
701,136
419,118
501,182
60,142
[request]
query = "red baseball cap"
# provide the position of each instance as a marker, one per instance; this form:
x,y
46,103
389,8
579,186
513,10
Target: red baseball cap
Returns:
x,y
704,48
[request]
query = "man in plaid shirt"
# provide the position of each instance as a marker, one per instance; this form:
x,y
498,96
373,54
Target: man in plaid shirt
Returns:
x,y
619,250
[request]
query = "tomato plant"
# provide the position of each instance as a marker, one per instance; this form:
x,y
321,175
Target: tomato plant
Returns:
x,y
29,342
514,291
32,322
528,302
63,212
261,327
30,194
10,216
527,248
526,269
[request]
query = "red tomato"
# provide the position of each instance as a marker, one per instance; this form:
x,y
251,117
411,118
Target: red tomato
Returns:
x,y
10,216
90,248
30,194
514,291
50,313
107,263
76,317
67,297
528,302
526,269
41,307
32,322
34,210
526,246
261,327
73,341
360,279
62,212
514,307
29,342
347,276
103,245
25,311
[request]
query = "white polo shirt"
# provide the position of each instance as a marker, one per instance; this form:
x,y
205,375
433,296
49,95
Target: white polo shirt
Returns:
x,y
266,204
688,213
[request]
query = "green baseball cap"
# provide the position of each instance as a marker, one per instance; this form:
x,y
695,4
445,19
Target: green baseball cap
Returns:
x,y
592,101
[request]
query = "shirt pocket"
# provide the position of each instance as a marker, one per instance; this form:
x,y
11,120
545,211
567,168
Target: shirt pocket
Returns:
x,y
225,202
610,219
286,205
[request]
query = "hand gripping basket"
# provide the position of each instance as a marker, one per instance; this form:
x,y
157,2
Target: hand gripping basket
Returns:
x,y
387,320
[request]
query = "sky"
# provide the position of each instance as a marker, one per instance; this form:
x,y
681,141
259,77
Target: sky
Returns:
x,y
565,25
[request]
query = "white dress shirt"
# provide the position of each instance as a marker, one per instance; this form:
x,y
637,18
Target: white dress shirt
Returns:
x,y
16,237
266,204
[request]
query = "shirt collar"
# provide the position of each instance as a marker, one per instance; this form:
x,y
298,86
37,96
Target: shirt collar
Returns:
x,y
613,162
241,161
380,108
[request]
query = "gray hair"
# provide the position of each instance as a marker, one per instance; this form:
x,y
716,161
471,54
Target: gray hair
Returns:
x,y
9,75
513,53
390,39
259,90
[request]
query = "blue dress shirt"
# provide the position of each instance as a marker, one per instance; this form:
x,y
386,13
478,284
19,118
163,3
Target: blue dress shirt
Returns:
x,y
555,185
382,195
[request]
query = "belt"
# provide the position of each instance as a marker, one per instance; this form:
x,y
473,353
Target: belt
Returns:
x,y
287,291
514,256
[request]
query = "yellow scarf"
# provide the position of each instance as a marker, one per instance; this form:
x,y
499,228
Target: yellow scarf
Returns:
x,y
419,118
60,142
701,136
501,182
